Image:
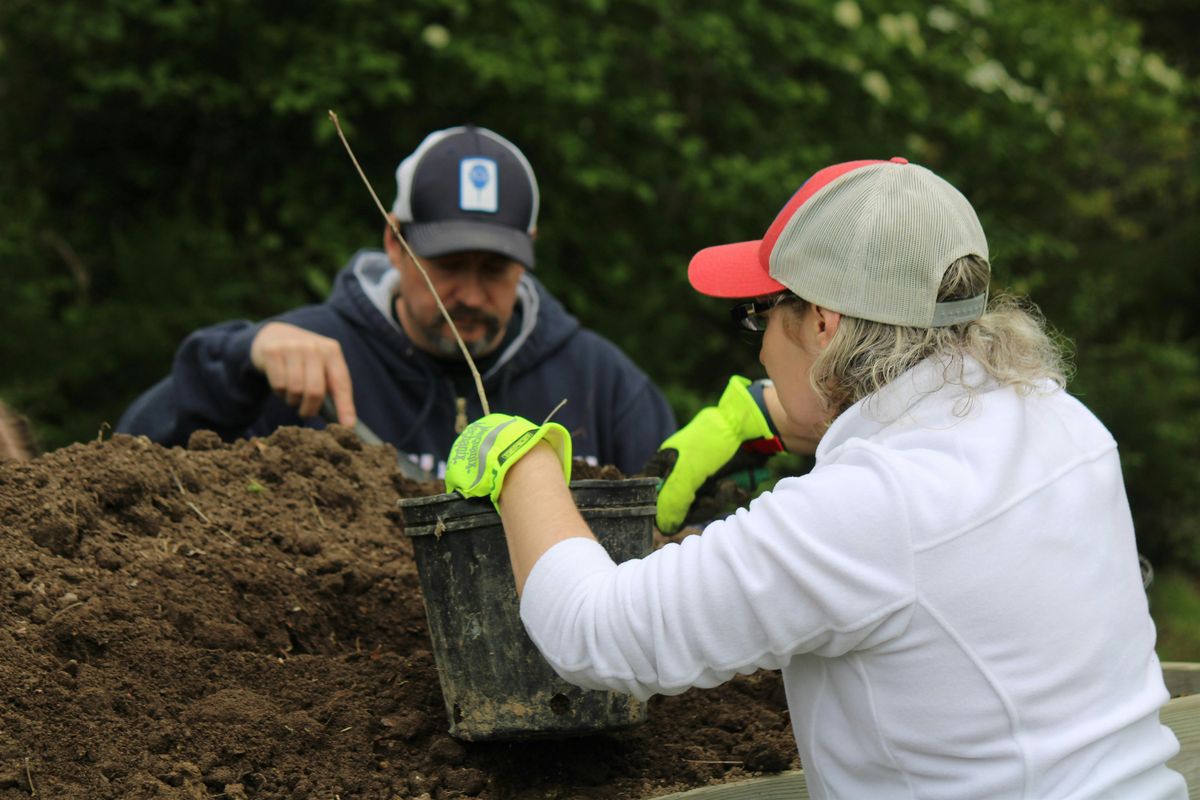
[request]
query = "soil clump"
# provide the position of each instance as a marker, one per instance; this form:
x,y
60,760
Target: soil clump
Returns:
x,y
244,621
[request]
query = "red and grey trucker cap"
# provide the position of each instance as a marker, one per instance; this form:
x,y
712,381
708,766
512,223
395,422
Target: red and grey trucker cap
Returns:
x,y
467,188
869,239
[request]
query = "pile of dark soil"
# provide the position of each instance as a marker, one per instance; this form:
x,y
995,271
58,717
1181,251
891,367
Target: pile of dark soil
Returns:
x,y
244,621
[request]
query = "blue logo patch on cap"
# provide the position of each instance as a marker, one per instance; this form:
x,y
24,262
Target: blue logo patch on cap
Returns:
x,y
478,185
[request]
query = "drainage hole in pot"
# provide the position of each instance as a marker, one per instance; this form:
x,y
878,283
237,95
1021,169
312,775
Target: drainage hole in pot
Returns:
x,y
560,705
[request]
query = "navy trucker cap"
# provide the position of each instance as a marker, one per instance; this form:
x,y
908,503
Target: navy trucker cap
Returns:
x,y
467,188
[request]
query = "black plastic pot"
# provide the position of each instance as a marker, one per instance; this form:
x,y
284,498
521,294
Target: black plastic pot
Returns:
x,y
495,683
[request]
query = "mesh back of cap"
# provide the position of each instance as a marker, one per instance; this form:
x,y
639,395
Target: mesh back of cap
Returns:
x,y
875,243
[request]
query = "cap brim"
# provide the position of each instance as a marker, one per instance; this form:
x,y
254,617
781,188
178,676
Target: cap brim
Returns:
x,y
433,239
731,270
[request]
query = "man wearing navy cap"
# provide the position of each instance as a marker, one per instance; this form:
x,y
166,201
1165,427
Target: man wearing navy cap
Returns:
x,y
467,204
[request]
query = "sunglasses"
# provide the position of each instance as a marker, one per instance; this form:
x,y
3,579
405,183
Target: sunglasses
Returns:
x,y
752,315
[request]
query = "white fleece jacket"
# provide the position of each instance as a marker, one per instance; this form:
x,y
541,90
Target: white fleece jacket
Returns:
x,y
952,594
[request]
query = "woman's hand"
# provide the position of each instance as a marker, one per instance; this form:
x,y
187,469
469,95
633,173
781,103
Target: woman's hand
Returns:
x,y
737,425
485,451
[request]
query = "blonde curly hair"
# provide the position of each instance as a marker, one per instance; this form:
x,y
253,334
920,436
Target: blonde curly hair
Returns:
x,y
1011,341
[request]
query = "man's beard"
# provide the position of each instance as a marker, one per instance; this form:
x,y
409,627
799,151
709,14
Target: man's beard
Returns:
x,y
444,344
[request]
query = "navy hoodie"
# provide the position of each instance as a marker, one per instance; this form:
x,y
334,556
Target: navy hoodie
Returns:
x,y
407,396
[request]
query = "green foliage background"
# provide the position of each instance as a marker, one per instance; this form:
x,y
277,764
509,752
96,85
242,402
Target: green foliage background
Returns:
x,y
165,166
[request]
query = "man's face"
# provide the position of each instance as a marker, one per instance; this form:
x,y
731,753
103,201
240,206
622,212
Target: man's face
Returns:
x,y
478,288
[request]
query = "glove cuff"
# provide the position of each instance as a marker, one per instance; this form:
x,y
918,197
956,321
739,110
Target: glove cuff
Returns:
x,y
756,391
554,434
748,418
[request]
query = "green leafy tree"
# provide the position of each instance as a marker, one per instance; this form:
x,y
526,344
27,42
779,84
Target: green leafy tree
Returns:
x,y
171,165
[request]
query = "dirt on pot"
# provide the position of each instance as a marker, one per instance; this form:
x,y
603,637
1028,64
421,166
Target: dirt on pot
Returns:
x,y
244,621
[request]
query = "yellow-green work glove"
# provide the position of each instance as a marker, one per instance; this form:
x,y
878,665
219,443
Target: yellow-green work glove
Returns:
x,y
707,444
487,448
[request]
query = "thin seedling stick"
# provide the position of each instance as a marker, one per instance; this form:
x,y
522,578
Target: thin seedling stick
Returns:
x,y
396,232
554,410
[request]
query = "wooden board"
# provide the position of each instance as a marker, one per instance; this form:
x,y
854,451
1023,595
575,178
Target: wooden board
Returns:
x,y
1181,677
784,786
1181,715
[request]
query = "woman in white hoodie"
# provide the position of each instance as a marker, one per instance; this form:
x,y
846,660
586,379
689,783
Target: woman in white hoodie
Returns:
x,y
952,593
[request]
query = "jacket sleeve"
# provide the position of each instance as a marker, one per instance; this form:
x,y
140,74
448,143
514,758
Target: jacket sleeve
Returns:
x,y
822,565
212,385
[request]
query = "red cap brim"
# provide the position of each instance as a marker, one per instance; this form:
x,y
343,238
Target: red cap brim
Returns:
x,y
732,270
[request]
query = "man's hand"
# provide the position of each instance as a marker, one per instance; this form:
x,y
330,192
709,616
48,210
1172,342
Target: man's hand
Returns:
x,y
706,445
483,453
303,367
